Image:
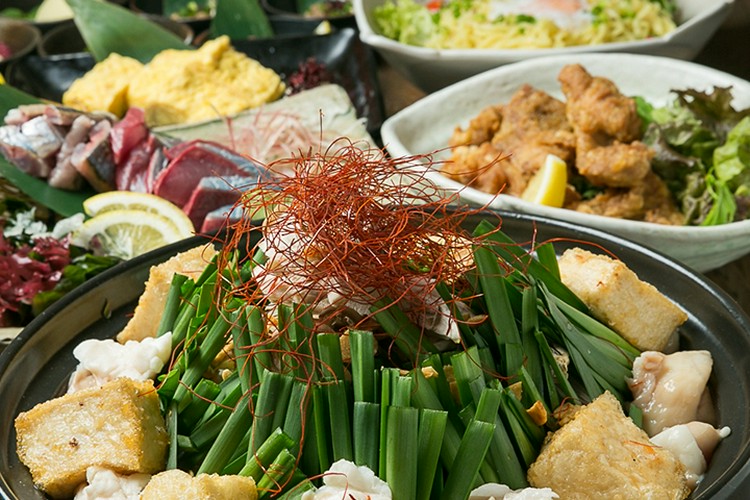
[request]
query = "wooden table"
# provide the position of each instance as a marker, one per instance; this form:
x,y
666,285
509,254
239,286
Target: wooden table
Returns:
x,y
726,51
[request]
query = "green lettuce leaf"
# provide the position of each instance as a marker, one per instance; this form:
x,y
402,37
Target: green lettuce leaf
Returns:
x,y
732,159
406,21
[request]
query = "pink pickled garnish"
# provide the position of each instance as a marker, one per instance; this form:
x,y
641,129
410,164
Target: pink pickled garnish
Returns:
x,y
28,270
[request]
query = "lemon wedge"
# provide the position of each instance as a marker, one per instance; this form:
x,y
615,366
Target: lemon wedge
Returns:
x,y
127,233
129,200
548,185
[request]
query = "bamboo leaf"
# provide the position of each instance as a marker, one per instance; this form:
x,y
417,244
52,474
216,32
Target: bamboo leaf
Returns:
x,y
240,19
11,97
65,203
107,27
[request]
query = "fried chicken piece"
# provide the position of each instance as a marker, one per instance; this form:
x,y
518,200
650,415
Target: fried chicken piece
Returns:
x,y
616,165
479,167
534,125
649,201
482,128
607,129
531,126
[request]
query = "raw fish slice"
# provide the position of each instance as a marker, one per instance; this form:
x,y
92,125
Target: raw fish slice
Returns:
x,y
133,174
93,159
216,219
31,146
196,161
212,193
156,164
127,134
64,175
24,113
26,161
36,135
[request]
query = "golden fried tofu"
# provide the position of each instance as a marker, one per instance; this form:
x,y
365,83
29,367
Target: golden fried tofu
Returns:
x,y
178,485
601,453
617,297
150,308
117,426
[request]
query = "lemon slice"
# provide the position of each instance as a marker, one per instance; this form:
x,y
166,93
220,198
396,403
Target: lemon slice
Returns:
x,y
129,200
127,233
548,185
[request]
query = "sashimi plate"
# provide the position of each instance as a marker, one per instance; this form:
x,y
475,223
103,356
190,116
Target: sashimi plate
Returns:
x,y
36,365
349,62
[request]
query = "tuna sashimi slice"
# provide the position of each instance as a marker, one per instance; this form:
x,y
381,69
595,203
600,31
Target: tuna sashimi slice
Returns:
x,y
196,161
218,218
128,133
132,175
212,193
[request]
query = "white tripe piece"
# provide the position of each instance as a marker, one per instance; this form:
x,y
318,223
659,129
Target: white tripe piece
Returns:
x,y
104,484
346,480
103,360
691,443
669,389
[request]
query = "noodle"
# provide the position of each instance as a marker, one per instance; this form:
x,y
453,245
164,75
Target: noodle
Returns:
x,y
469,24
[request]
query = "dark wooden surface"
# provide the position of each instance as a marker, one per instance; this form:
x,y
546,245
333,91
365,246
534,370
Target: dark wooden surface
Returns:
x,y
728,50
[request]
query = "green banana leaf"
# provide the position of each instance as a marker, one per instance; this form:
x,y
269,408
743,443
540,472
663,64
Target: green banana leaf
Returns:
x,y
240,19
107,27
65,203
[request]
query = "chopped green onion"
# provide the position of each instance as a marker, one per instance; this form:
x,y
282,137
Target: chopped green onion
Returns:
x,y
471,453
363,365
432,424
491,278
227,441
340,421
366,431
401,451
172,304
259,462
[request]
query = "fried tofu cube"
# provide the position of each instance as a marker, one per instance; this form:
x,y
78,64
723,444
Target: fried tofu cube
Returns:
x,y
117,426
105,86
617,297
178,485
601,453
147,315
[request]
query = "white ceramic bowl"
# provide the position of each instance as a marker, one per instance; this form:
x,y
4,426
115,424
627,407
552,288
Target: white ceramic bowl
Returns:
x,y
425,127
432,69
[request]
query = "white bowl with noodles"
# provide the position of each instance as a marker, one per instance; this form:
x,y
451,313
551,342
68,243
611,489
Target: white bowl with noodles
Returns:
x,y
432,69
425,127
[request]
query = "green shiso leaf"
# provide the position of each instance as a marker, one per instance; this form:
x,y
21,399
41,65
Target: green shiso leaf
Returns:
x,y
107,28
